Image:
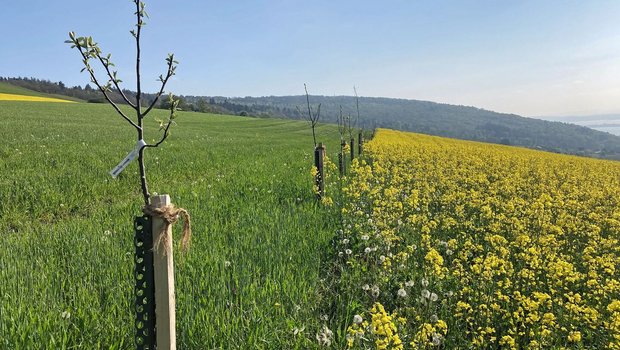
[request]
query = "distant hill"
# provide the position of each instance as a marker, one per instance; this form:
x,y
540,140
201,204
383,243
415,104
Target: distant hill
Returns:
x,y
460,122
603,122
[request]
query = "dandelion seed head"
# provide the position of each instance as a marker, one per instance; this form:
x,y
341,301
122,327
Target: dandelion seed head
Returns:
x,y
437,339
324,337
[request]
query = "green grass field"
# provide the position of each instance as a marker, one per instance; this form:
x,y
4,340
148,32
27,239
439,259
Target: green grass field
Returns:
x,y
66,234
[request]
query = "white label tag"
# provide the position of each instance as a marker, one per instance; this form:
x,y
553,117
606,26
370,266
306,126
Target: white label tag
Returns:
x,y
130,157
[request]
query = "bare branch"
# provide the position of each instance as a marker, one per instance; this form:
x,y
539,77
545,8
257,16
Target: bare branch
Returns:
x,y
341,125
301,114
173,109
313,118
164,136
106,64
357,106
139,9
102,89
170,73
349,126
317,116
308,103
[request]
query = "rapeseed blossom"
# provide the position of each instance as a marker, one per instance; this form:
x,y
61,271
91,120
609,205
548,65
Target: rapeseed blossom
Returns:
x,y
481,246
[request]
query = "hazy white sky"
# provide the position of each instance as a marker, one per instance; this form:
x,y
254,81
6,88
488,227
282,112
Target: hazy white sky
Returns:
x,y
532,58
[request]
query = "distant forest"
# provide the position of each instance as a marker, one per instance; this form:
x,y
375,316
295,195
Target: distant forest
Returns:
x,y
461,122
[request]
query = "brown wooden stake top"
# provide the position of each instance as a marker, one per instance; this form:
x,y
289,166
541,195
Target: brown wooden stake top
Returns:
x,y
165,314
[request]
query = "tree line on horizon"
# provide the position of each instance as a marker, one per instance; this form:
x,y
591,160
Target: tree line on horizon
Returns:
x,y
460,122
91,94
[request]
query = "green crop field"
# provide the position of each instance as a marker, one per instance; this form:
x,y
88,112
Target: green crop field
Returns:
x,y
252,277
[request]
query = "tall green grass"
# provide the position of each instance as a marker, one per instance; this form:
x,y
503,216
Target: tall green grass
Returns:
x,y
251,278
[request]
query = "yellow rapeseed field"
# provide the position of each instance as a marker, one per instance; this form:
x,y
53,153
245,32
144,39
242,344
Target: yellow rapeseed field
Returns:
x,y
12,97
458,244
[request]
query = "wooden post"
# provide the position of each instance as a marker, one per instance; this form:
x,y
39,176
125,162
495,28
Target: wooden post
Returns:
x,y
342,159
319,157
165,315
360,143
352,148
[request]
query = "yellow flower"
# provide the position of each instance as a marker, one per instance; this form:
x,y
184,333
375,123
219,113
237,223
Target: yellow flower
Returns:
x,y
574,337
513,246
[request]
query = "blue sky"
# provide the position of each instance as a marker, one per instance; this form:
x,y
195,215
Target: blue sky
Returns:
x,y
534,58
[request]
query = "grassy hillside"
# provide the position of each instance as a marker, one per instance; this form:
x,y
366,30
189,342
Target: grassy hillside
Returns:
x,y
7,88
66,235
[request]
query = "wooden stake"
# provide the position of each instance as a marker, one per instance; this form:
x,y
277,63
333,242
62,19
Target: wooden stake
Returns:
x,y
165,315
352,148
360,143
319,157
342,158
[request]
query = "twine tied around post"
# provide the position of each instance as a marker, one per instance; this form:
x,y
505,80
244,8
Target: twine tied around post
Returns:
x,y
170,215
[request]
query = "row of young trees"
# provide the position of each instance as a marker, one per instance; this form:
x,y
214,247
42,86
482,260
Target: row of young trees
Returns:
x,y
347,126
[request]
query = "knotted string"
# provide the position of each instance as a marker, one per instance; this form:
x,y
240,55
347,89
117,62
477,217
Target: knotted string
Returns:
x,y
170,215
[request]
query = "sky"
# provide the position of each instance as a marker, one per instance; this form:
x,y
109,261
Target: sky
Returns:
x,y
532,58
